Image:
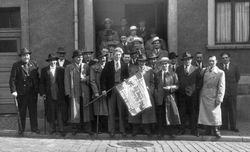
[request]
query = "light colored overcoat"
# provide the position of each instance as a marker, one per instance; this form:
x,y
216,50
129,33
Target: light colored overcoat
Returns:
x,y
213,90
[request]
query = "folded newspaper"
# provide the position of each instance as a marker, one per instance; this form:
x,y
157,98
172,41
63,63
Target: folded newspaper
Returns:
x,y
135,94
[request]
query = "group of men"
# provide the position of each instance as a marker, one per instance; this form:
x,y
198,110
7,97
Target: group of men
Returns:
x,y
78,92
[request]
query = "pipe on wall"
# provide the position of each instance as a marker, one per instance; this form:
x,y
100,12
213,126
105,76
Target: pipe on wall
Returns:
x,y
76,24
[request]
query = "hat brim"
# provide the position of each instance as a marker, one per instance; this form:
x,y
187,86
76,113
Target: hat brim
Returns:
x,y
61,52
186,58
24,53
52,59
160,40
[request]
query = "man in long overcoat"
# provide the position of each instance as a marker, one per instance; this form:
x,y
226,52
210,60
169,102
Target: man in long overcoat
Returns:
x,y
114,73
166,83
24,86
211,97
147,117
76,82
100,106
52,90
229,105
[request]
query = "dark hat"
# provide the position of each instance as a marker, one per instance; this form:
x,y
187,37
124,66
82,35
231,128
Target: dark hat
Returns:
x,y
142,57
100,54
87,51
77,53
111,43
186,55
52,57
60,50
152,56
24,51
172,55
156,39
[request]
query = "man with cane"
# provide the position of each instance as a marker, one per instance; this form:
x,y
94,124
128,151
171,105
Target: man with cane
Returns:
x,y
24,79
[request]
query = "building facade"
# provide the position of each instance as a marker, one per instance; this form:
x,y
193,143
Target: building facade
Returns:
x,y
208,26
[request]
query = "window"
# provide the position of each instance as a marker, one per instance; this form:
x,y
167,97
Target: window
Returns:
x,y
232,21
10,29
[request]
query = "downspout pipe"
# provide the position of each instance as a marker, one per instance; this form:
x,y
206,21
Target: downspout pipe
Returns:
x,y
76,24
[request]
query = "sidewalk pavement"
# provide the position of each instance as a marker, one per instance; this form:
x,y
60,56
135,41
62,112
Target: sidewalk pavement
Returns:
x,y
8,127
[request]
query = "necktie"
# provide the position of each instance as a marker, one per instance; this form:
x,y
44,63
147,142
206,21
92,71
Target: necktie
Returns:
x,y
186,69
117,67
26,67
164,78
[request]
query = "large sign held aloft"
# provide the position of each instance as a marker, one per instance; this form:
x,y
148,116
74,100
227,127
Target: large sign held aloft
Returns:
x,y
135,94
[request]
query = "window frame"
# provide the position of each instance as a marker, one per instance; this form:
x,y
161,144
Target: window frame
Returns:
x,y
233,42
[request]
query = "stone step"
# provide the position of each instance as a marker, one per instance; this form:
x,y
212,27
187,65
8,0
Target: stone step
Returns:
x,y
243,104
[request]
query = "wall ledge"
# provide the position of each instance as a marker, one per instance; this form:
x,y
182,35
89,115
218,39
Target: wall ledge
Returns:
x,y
228,47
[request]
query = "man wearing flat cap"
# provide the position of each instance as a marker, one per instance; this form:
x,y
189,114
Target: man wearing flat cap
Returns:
x,y
62,61
77,89
187,76
114,73
52,90
24,86
166,84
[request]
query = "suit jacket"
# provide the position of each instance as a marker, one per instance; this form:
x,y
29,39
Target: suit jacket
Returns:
x,y
232,79
66,62
171,80
108,75
20,79
160,54
187,83
45,83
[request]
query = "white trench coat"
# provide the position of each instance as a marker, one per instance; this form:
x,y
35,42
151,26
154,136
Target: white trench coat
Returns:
x,y
213,90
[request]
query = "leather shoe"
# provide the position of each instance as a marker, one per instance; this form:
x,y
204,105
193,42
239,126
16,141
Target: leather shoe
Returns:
x,y
63,134
124,135
217,134
181,132
195,133
20,133
74,132
235,130
37,131
112,135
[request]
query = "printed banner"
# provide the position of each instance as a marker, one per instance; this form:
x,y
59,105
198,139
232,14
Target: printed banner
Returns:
x,y
135,94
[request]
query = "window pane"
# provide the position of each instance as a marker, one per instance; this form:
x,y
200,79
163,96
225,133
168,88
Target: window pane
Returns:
x,y
10,17
241,21
223,22
8,45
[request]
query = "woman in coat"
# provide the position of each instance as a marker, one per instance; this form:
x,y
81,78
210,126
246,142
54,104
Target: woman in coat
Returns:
x,y
77,88
211,97
148,116
166,83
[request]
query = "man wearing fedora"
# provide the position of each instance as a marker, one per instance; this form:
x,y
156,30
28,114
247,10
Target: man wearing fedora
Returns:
x,y
146,118
114,73
24,86
137,45
173,61
157,49
152,62
187,76
76,83
62,61
88,57
100,106
52,90
123,29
